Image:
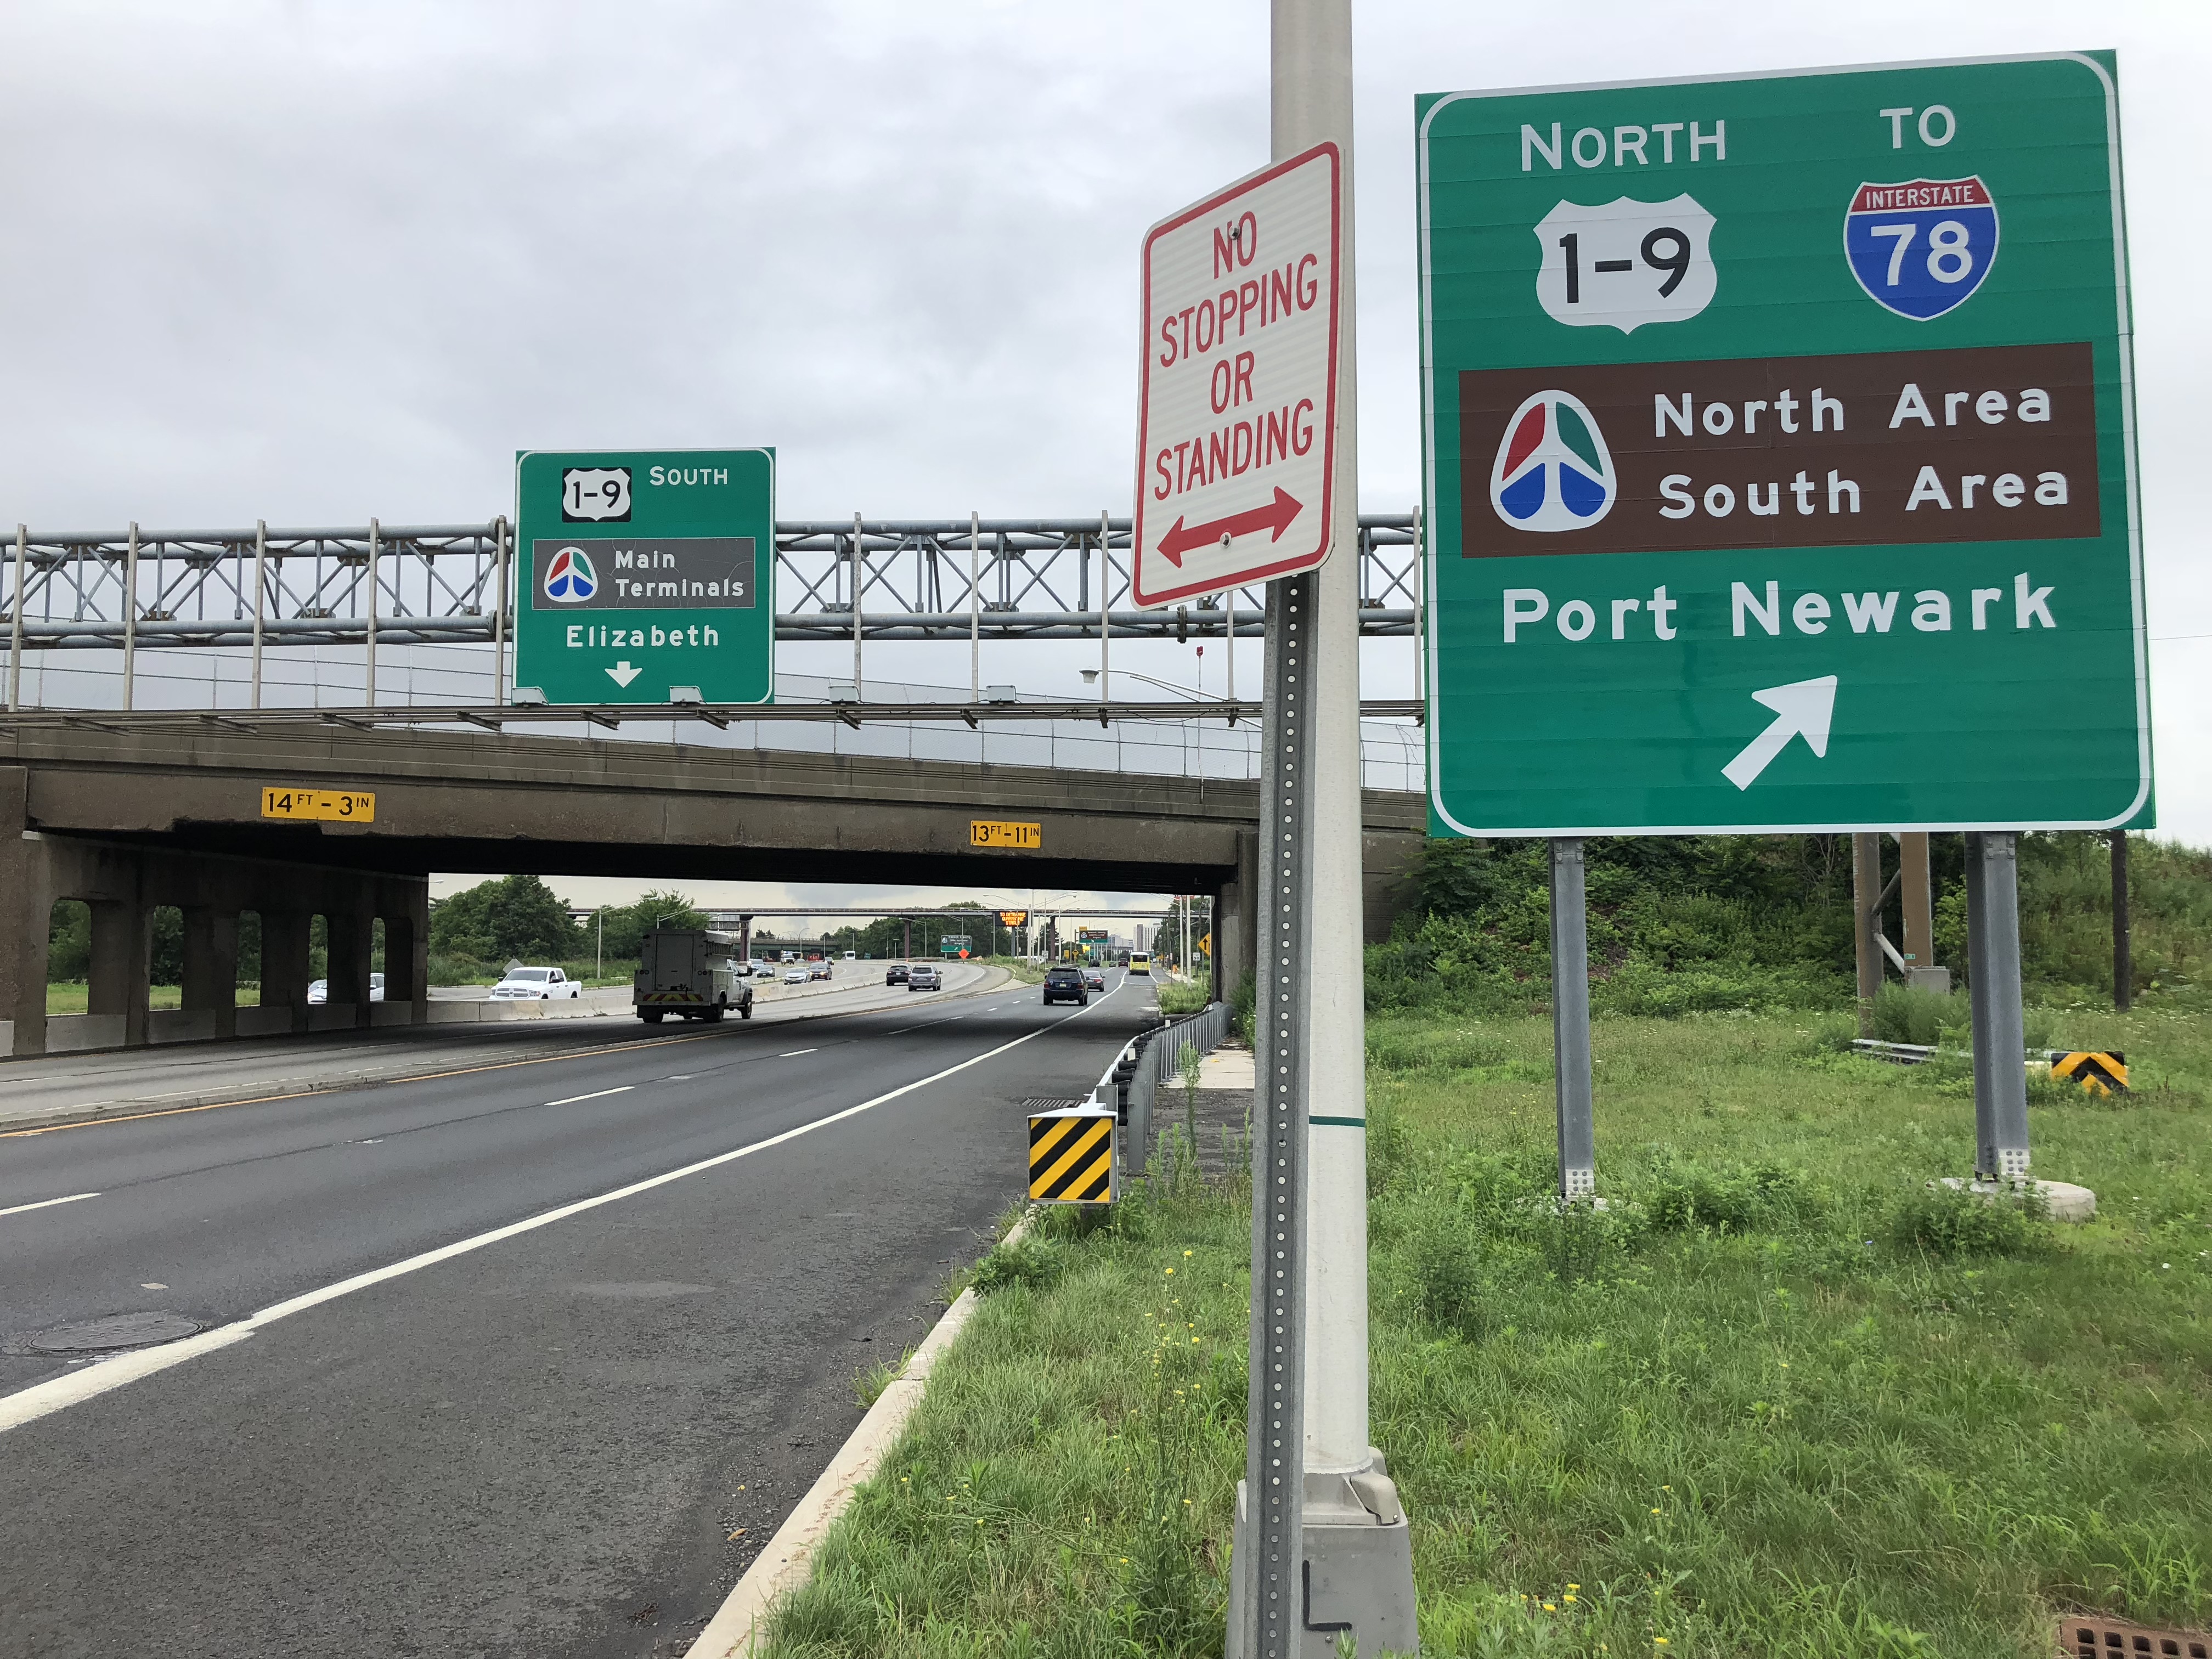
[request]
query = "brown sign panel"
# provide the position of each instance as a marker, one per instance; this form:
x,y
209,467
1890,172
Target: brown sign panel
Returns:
x,y
1993,443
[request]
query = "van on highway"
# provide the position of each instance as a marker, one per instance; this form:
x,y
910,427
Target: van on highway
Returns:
x,y
1141,962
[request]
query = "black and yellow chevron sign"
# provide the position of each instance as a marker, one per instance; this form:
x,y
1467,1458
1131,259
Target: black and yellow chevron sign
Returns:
x,y
2099,1071
1072,1157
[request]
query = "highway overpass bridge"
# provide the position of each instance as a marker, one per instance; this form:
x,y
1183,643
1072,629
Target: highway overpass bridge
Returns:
x,y
131,811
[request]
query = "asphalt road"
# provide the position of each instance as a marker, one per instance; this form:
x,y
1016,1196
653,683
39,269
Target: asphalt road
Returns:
x,y
567,1440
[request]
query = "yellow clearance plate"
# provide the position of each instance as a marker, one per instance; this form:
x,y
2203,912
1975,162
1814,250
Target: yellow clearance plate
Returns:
x,y
992,832
337,805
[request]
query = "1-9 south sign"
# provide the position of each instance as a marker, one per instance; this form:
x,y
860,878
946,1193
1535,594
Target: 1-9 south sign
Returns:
x,y
1780,457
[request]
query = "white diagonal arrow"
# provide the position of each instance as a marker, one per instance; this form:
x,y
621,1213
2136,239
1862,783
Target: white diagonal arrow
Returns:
x,y
1802,708
622,674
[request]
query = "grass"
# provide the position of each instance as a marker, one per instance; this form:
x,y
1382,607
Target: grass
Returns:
x,y
1779,1400
1183,996
72,996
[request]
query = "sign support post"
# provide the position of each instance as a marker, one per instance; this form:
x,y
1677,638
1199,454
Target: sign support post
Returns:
x,y
2000,1036
1323,1549
1571,1027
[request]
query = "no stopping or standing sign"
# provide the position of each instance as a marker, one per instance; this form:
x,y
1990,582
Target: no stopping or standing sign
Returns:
x,y
1237,423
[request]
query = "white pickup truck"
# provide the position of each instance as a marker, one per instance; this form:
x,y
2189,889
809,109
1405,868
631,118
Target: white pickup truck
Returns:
x,y
689,972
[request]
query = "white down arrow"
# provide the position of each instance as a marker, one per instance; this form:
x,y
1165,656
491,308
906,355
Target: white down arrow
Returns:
x,y
622,673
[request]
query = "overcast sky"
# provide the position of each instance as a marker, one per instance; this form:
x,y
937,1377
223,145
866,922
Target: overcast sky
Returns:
x,y
310,262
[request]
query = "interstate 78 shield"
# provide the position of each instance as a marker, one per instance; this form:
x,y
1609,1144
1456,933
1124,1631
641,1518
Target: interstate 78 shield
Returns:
x,y
1776,479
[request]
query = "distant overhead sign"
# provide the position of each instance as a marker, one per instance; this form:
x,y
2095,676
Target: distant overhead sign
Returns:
x,y
1780,455
1237,428
644,575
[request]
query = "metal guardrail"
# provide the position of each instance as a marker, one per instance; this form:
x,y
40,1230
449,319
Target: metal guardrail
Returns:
x,y
1151,1059
949,580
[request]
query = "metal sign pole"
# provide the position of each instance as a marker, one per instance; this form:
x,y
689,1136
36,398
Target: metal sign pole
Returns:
x,y
1571,1030
1323,1554
15,628
1269,1555
2001,1141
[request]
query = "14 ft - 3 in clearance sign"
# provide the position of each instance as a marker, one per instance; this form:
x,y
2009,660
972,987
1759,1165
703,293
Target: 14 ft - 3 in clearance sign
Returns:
x,y
1236,432
1780,453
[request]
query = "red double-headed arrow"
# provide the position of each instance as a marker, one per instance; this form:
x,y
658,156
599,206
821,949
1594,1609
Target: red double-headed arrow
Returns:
x,y
1276,516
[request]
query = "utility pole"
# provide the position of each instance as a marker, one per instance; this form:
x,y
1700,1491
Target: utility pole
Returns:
x,y
1323,1551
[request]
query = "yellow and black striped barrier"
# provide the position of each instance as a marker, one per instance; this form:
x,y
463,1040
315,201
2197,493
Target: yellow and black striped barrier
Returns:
x,y
1072,1156
2099,1071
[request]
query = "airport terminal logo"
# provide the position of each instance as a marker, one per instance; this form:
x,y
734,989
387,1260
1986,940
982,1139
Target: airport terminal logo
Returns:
x,y
1553,470
570,579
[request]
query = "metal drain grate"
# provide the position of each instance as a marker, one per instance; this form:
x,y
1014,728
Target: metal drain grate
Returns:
x,y
2093,1637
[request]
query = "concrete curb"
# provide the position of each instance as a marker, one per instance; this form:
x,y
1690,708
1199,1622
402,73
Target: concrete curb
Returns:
x,y
782,1567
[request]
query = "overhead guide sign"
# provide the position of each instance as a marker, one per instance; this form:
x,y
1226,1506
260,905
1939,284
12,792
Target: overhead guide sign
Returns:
x,y
1237,428
1780,454
646,577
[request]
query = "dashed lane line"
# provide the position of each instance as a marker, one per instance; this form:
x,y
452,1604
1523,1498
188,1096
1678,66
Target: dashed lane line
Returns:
x,y
59,1392
47,1203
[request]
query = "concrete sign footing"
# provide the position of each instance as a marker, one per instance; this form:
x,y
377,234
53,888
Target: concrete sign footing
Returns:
x,y
1358,1572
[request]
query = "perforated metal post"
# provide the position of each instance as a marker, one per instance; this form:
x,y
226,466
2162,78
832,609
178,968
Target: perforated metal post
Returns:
x,y
1570,1032
2000,1036
1270,1559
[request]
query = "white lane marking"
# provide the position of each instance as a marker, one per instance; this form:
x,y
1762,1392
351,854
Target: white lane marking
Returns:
x,y
596,1094
59,1392
795,1054
152,1287
47,1203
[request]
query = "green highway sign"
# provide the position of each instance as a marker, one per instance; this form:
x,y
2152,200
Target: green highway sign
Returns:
x,y
1780,454
646,577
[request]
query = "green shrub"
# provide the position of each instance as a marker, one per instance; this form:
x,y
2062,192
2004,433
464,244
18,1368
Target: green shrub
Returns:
x,y
1740,1198
1035,1262
1949,1221
1903,1013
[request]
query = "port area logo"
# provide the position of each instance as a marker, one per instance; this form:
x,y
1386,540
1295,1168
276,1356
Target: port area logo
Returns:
x,y
1920,247
569,578
1552,471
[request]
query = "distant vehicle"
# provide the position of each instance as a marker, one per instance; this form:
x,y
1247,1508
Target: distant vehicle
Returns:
x,y
319,990
687,972
788,956
817,970
852,956
763,970
1141,962
795,976
1093,980
924,976
1065,984
895,973
535,984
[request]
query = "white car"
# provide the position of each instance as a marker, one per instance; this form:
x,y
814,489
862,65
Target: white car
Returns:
x,y
796,976
535,984
318,991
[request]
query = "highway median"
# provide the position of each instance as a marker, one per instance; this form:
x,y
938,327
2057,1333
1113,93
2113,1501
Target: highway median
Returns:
x,y
1780,1395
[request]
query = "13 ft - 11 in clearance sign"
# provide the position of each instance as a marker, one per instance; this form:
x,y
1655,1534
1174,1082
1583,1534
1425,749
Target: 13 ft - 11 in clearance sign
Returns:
x,y
1237,428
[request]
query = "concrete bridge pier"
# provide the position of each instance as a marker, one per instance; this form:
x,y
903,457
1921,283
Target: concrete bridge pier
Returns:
x,y
122,883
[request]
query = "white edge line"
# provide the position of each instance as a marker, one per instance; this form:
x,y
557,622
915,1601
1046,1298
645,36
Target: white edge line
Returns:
x,y
40,1399
47,1203
783,1565
596,1094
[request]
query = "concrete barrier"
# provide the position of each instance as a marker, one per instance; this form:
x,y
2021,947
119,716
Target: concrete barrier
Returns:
x,y
179,1025
70,1033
